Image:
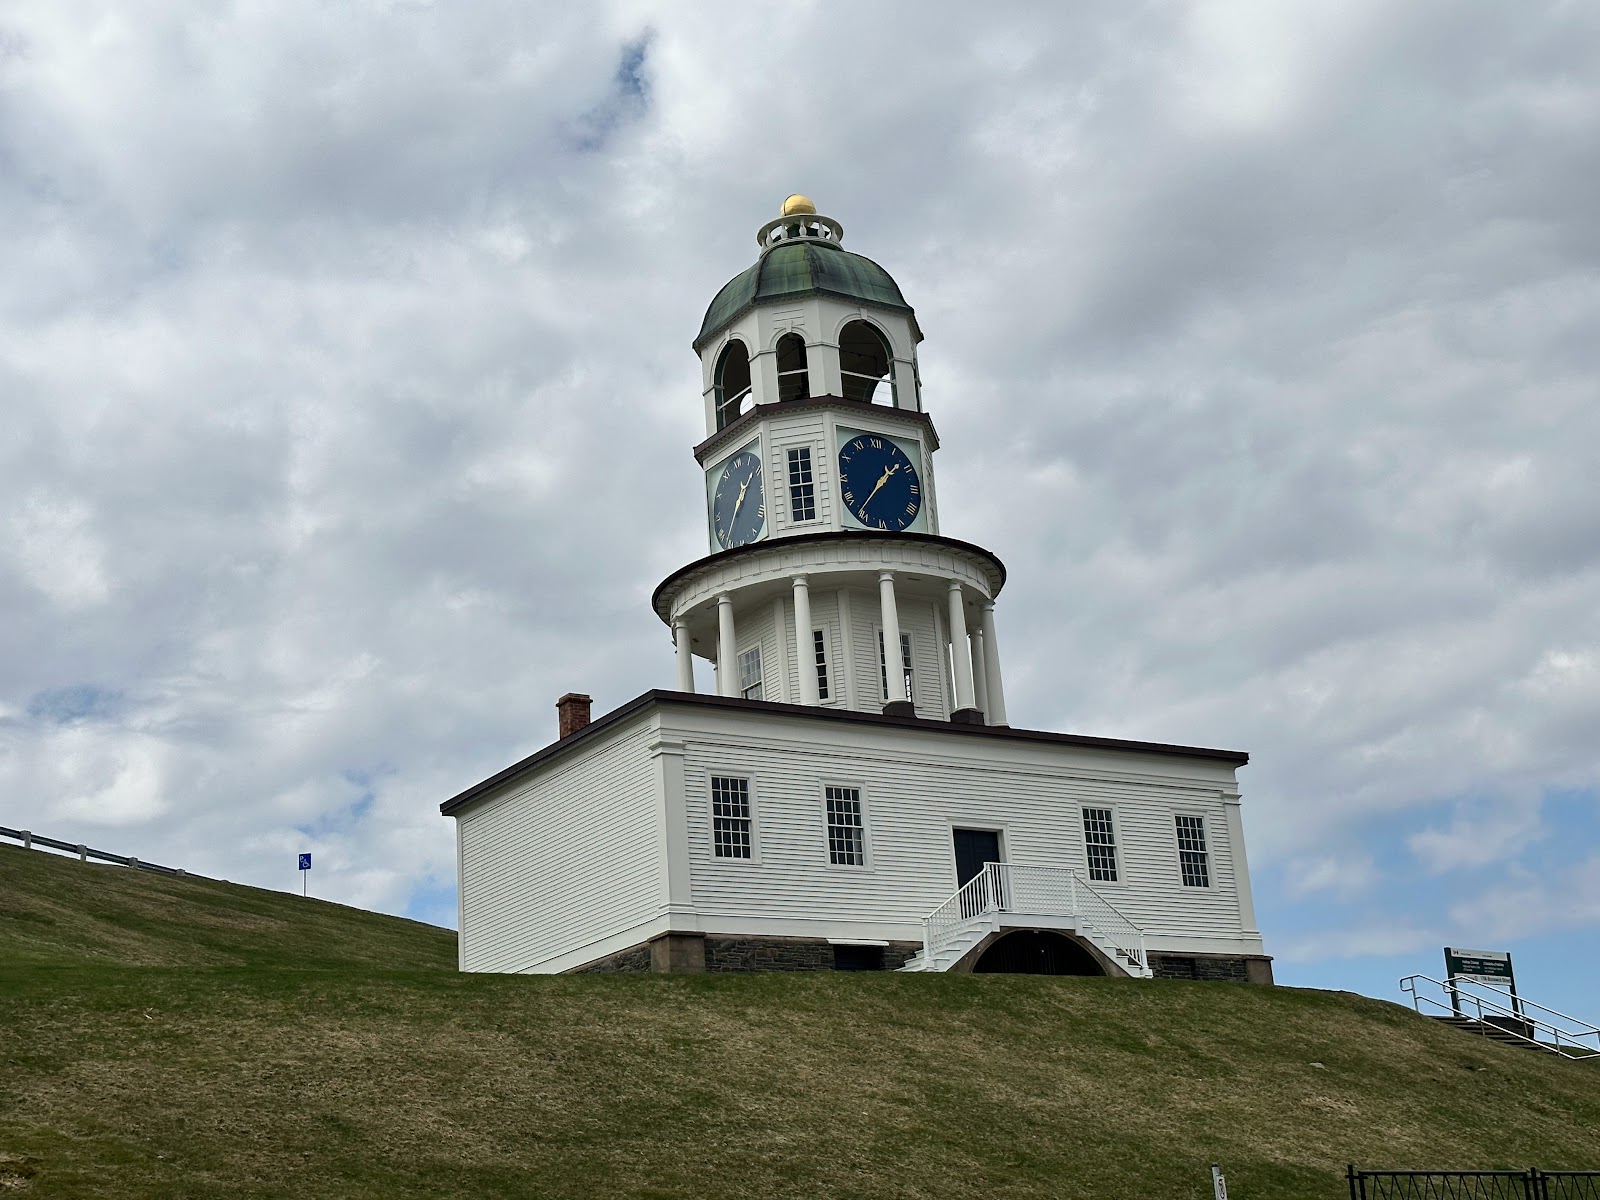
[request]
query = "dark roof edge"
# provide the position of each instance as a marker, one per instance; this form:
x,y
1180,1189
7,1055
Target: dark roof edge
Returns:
x,y
594,728
731,434
709,334
657,697
821,535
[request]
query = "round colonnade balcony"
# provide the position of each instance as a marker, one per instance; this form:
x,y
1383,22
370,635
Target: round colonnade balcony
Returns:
x,y
706,603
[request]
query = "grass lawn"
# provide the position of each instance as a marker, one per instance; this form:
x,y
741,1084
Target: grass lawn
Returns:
x,y
175,1038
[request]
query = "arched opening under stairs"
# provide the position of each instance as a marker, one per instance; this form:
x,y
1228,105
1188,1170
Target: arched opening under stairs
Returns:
x,y
1036,952
732,383
864,363
794,381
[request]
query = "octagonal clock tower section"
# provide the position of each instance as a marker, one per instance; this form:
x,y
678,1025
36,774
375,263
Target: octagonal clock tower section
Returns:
x,y
822,521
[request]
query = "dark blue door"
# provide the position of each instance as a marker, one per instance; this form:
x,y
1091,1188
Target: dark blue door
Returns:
x,y
974,847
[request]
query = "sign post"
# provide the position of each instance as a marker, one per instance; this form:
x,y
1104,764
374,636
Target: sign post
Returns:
x,y
1219,1185
1492,967
305,872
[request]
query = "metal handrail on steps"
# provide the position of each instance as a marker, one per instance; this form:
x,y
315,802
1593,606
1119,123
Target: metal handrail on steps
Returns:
x,y
1044,891
1511,1021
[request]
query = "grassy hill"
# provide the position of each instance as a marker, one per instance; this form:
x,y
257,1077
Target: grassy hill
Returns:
x,y
166,1037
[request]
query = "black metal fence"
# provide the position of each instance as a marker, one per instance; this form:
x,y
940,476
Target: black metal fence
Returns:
x,y
1532,1184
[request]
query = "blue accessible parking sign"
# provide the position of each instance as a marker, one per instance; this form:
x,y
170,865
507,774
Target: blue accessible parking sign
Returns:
x,y
305,862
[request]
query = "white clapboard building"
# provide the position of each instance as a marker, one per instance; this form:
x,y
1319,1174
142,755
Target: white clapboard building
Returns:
x,y
852,796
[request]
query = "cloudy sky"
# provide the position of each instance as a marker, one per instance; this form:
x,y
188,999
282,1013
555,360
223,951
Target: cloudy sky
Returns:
x,y
348,401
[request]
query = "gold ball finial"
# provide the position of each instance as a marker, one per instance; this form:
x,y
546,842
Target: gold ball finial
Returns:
x,y
798,205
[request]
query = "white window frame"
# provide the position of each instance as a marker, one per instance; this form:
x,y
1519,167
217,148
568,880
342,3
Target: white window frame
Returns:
x,y
812,458
1118,862
908,653
860,789
760,675
1210,851
825,677
711,816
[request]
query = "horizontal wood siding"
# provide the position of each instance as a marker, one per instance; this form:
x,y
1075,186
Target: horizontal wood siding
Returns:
x,y
927,657
785,433
754,627
554,863
824,616
915,789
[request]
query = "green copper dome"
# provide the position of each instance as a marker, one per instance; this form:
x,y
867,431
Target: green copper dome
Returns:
x,y
803,267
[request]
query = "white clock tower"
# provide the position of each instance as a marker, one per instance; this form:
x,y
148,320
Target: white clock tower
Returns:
x,y
853,796
828,581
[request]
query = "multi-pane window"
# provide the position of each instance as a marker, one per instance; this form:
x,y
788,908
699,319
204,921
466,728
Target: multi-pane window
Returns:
x,y
730,817
845,845
905,665
819,642
1100,840
802,491
750,674
1192,852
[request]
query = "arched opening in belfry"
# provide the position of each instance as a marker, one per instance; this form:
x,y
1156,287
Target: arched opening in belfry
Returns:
x,y
864,363
1037,952
732,383
793,378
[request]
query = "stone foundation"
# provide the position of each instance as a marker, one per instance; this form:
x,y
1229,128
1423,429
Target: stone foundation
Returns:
x,y
1218,968
692,953
750,953
634,958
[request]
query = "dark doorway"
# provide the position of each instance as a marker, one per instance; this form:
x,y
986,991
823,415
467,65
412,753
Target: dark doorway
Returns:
x,y
858,958
974,847
1037,952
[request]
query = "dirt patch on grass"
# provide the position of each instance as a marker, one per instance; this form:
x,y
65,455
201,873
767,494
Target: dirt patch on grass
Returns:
x,y
16,1172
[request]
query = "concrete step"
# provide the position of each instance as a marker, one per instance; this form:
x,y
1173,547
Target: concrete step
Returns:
x,y
1493,1032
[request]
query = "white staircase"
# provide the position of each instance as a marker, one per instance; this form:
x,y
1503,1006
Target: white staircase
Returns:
x,y
1003,895
956,947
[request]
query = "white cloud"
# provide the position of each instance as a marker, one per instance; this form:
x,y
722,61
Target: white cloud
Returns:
x,y
349,397
56,550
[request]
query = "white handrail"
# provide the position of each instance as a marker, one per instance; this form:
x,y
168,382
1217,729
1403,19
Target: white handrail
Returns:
x,y
1042,891
977,896
1564,1042
1061,891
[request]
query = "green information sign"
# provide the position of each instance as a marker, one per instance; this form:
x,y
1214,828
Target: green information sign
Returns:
x,y
1480,966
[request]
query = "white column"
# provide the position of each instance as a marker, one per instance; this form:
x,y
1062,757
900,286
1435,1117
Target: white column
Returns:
x,y
848,669
727,648
958,651
805,654
893,670
680,643
991,668
980,684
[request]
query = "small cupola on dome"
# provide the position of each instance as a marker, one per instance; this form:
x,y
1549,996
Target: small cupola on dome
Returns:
x,y
802,255
798,219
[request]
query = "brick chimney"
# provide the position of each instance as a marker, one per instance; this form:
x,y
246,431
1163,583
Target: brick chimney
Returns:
x,y
573,710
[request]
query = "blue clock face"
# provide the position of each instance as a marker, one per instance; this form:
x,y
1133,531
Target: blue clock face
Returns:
x,y
738,508
881,488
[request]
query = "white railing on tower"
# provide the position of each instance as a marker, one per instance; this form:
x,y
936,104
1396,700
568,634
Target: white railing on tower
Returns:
x,y
1037,891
